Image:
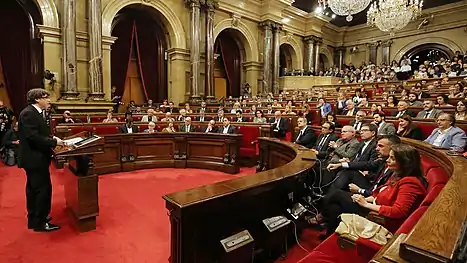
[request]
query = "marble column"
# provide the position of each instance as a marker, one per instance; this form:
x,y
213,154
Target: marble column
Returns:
x,y
372,52
195,50
318,42
69,90
310,54
340,56
267,56
276,58
96,92
209,49
386,50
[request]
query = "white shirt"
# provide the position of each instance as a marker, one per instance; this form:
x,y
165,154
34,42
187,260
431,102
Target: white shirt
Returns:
x,y
208,129
323,140
37,108
441,136
129,129
226,130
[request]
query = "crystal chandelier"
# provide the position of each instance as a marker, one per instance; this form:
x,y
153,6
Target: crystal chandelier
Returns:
x,y
344,7
393,15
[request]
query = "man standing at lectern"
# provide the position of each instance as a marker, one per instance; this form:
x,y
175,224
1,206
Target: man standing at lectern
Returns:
x,y
34,156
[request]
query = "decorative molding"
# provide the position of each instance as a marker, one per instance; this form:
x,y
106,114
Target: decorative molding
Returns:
x,y
49,13
428,40
174,26
247,37
235,19
387,43
297,58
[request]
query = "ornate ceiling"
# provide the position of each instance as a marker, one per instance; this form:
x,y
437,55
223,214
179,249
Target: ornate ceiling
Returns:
x,y
310,5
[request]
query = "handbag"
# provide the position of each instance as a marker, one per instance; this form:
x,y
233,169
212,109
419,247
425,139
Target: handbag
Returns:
x,y
353,226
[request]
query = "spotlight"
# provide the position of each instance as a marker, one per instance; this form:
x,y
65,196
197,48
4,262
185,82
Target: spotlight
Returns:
x,y
333,16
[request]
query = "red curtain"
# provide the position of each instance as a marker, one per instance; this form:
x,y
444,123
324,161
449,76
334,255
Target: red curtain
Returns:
x,y
15,52
150,47
230,53
121,53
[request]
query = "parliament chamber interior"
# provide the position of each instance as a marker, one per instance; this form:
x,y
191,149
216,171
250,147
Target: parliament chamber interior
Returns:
x,y
235,131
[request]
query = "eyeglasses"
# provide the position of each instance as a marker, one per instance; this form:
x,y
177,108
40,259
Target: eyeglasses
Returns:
x,y
360,115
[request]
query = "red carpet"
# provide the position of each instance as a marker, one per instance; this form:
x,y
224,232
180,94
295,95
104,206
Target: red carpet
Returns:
x,y
133,225
309,240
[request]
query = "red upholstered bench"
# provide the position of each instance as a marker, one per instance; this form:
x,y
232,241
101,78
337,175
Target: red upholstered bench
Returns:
x,y
77,128
364,251
111,128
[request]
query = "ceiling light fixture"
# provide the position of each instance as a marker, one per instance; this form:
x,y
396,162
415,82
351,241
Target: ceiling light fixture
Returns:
x,y
393,15
345,7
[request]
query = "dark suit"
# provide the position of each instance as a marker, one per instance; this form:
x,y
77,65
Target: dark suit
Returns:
x,y
34,155
230,130
323,146
280,130
171,110
352,123
307,138
364,161
184,128
406,112
205,119
213,130
124,129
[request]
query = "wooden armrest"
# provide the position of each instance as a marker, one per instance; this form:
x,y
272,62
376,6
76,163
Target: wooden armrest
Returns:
x,y
377,218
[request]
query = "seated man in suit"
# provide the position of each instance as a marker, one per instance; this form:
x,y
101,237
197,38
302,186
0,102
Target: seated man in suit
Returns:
x,y
150,117
239,116
359,120
384,128
171,108
429,111
306,137
220,116
363,169
447,135
129,126
402,110
226,128
202,116
280,125
322,148
211,127
413,100
187,127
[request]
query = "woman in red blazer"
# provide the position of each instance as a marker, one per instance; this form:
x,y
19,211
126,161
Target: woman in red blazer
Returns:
x,y
396,199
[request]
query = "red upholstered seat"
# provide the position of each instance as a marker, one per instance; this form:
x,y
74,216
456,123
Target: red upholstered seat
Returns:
x,y
436,176
344,121
427,128
249,135
330,252
428,163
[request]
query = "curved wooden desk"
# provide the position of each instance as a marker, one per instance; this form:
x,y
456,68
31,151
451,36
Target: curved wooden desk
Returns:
x,y
437,235
202,216
128,152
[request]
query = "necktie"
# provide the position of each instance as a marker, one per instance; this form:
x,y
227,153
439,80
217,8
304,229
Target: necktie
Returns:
x,y
149,118
321,143
426,115
299,135
187,128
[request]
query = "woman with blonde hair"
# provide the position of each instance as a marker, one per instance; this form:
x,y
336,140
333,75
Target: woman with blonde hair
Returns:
x,y
170,127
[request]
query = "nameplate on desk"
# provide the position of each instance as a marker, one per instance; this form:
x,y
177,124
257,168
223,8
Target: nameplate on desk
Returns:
x,y
236,241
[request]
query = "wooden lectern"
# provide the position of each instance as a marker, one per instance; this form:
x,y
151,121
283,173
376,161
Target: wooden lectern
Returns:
x,y
80,180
